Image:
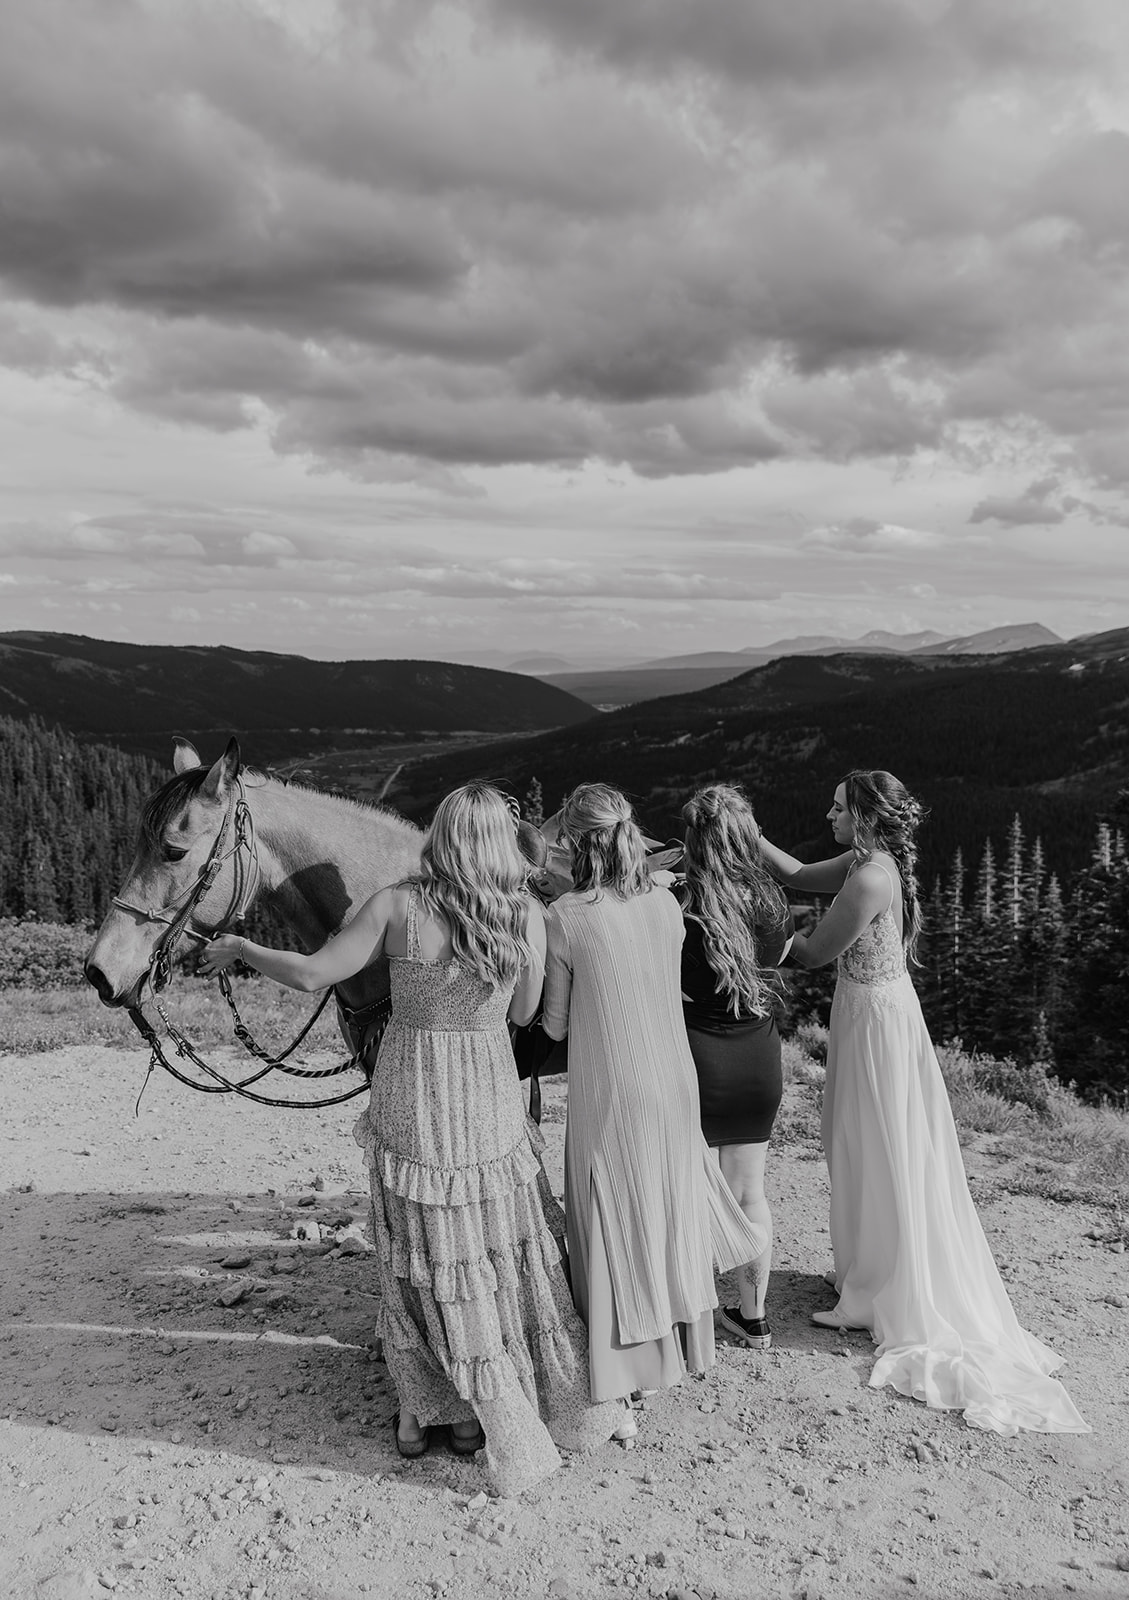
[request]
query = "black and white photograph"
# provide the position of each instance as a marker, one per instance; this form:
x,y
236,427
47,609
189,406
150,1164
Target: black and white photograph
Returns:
x,y
564,752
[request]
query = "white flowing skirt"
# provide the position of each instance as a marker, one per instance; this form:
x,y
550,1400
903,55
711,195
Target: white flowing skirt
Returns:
x,y
911,1260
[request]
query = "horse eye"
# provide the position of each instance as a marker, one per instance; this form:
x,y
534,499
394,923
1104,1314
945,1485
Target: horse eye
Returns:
x,y
171,852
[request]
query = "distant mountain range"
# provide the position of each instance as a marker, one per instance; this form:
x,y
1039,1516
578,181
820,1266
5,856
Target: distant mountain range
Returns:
x,y
138,696
647,680
1042,731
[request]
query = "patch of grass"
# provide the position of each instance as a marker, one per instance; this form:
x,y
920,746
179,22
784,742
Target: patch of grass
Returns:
x,y
1079,1153
1051,1144
32,1020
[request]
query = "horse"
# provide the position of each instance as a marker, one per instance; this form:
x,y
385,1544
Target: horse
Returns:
x,y
212,841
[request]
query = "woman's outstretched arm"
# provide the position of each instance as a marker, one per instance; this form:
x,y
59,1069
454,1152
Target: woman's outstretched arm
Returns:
x,y
817,877
527,994
558,979
339,958
863,896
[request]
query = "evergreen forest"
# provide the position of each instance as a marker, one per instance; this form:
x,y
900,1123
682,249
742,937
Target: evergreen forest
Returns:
x,y
1018,961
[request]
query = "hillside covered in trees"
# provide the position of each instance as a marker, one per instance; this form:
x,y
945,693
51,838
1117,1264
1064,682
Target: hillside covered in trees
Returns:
x,y
70,821
138,696
1042,732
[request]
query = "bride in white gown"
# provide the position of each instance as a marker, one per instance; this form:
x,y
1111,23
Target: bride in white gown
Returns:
x,y
912,1265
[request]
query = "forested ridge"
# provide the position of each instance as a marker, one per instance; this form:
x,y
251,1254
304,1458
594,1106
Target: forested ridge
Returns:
x,y
1043,733
138,696
70,821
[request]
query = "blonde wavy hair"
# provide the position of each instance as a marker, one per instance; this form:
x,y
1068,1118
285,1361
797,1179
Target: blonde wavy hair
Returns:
x,y
728,891
473,876
607,847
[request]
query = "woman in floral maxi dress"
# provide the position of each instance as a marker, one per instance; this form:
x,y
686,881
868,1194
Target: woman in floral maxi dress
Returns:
x,y
476,1318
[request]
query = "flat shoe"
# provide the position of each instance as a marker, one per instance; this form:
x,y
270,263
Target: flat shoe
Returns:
x,y
628,1428
832,1319
753,1331
465,1444
831,1280
411,1448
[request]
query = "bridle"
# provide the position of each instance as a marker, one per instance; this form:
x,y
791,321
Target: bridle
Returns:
x,y
236,841
177,913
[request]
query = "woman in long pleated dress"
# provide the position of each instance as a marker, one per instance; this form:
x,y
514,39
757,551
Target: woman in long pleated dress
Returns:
x,y
649,1215
912,1264
475,1313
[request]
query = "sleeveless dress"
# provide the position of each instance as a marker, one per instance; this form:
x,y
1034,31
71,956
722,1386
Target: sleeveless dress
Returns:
x,y
649,1214
737,1058
911,1260
475,1312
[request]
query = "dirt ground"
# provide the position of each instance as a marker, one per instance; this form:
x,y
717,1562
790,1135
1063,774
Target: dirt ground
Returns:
x,y
190,1404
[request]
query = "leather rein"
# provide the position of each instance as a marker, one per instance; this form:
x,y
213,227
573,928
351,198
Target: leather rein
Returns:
x,y
363,1026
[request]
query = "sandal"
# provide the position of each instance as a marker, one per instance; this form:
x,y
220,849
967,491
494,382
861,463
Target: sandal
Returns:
x,y
832,1319
411,1448
628,1428
465,1444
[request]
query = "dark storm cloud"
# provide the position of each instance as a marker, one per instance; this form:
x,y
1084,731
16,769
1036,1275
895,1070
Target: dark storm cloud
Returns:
x,y
681,235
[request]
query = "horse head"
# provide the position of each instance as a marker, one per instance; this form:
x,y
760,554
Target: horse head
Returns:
x,y
189,876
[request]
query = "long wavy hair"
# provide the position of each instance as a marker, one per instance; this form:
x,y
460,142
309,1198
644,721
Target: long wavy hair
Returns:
x,y
607,847
886,817
728,891
473,876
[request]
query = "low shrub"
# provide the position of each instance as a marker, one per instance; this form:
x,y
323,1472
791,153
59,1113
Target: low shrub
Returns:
x,y
797,1066
41,955
811,1037
1030,1086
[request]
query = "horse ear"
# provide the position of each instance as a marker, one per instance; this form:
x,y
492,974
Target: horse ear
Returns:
x,y
184,756
223,774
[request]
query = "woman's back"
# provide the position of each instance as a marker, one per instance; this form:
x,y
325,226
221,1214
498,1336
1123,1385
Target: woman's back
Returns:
x,y
439,994
623,956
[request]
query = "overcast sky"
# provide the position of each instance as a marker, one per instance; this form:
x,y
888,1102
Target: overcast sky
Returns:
x,y
604,328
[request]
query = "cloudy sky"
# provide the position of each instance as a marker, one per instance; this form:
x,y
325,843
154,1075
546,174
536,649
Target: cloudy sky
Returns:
x,y
384,327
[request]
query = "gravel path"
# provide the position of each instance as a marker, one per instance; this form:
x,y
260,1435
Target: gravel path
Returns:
x,y
190,1404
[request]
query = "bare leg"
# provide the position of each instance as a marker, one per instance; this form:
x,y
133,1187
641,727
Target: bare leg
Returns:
x,y
742,1166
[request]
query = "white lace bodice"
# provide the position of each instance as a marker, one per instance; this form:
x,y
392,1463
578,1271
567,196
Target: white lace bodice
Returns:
x,y
877,955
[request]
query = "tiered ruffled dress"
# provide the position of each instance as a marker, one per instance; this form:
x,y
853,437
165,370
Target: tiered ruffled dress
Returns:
x,y
911,1260
475,1312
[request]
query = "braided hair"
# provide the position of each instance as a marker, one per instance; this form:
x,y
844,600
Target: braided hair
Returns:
x,y
886,817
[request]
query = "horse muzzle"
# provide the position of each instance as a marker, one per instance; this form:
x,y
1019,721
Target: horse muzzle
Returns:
x,y
107,993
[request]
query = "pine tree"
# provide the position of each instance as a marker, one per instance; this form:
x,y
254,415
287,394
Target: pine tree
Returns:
x,y
1013,877
534,808
1092,1043
985,904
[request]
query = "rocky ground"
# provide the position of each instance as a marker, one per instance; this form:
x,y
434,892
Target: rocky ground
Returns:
x,y
190,1403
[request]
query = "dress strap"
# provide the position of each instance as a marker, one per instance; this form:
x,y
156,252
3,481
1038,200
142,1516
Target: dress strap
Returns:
x,y
413,925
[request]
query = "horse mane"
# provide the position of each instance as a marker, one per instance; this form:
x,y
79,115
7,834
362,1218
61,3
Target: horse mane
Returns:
x,y
348,802
171,798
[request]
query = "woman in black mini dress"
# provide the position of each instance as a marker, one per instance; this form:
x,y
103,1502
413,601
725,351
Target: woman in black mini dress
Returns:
x,y
738,930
